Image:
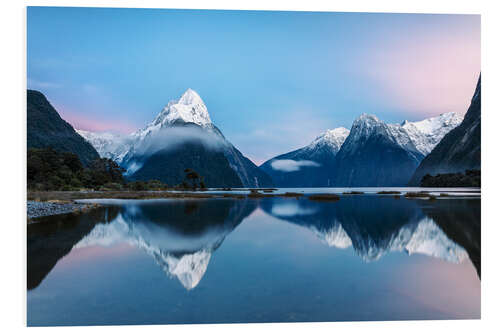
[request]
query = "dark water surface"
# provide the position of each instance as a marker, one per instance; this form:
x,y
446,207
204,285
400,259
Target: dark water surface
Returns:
x,y
269,260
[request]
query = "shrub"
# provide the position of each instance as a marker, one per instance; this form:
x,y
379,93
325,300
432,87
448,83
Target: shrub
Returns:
x,y
324,197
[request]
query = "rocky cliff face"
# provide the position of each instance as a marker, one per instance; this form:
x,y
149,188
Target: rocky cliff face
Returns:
x,y
460,149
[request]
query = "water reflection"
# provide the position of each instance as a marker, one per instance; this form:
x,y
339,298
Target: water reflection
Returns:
x,y
54,237
181,236
448,229
461,221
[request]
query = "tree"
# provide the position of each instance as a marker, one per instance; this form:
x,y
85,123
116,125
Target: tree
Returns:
x,y
105,170
193,177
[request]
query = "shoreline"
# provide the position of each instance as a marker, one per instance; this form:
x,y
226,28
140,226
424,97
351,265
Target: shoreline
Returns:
x,y
39,209
41,204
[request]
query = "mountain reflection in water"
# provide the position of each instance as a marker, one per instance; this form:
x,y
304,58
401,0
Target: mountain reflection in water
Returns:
x,y
374,226
181,236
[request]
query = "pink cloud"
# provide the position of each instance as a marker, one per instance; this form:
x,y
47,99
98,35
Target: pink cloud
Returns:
x,y
101,124
427,74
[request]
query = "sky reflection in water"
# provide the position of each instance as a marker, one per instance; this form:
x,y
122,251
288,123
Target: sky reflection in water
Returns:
x,y
269,260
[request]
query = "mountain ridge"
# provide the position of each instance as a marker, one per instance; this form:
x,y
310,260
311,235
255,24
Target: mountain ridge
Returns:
x,y
460,149
376,150
310,166
46,128
185,122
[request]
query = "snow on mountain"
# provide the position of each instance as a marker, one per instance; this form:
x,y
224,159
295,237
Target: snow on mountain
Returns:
x,y
328,142
430,240
310,166
348,158
336,236
363,127
394,151
421,136
190,108
182,121
189,268
425,238
427,133
108,145
185,258
332,139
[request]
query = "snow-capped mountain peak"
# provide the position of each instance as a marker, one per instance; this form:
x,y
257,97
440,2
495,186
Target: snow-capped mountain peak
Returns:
x,y
190,108
366,124
434,124
334,138
424,237
419,137
190,97
366,119
427,133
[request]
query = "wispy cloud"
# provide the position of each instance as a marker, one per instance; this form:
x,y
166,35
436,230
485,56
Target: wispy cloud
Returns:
x,y
291,165
172,137
291,208
83,121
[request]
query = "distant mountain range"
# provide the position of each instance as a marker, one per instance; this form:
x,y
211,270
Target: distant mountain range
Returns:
x,y
47,129
372,153
460,149
374,227
181,136
311,166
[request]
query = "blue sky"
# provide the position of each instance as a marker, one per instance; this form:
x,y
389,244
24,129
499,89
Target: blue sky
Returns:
x,y
272,81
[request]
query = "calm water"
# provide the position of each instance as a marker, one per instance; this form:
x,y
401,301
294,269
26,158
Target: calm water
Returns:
x,y
269,260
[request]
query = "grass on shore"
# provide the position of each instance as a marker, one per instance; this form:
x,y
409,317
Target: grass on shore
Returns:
x,y
324,197
422,194
70,196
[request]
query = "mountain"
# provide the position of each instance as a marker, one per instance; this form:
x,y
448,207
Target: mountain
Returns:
x,y
180,237
460,149
168,165
427,133
181,136
460,219
371,154
373,226
47,129
106,144
310,166
47,242
379,154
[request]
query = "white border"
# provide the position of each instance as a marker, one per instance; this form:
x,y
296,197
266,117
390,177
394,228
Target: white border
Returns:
x,y
13,85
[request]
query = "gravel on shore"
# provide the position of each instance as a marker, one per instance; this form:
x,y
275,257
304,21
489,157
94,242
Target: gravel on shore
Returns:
x,y
44,208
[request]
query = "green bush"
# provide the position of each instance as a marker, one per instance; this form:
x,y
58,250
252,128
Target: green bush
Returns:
x,y
49,170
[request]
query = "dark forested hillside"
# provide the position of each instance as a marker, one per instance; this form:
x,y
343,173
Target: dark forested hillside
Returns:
x,y
49,170
47,129
168,166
